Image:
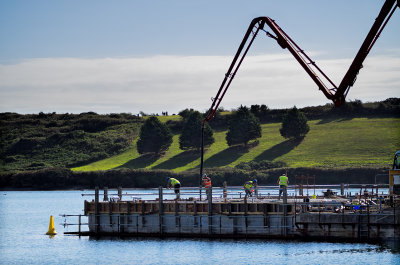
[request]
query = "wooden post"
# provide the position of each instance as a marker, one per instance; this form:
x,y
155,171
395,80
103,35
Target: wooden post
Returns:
x,y
110,208
256,190
79,221
143,213
210,210
245,206
209,195
195,223
245,212
128,212
301,189
285,217
284,195
225,190
96,208
177,217
265,210
143,208
105,198
342,189
160,208
120,193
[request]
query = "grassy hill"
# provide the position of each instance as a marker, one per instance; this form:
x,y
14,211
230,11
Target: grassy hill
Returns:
x,y
354,135
331,143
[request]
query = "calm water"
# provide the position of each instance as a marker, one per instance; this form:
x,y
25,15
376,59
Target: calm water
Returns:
x,y
24,220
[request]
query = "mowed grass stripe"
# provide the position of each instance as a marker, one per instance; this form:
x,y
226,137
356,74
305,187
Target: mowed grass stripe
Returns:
x,y
357,142
112,162
336,143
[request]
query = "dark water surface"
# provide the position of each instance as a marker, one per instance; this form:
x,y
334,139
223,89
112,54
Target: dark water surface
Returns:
x,y
24,220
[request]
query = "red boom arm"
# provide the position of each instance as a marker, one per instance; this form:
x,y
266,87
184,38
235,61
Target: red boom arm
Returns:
x,y
334,93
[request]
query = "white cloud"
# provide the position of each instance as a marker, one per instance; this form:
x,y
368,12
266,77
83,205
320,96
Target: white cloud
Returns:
x,y
172,83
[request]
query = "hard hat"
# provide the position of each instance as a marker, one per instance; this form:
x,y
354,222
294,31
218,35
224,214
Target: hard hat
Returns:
x,y
204,175
255,181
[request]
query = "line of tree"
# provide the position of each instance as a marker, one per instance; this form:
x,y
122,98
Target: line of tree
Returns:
x,y
155,137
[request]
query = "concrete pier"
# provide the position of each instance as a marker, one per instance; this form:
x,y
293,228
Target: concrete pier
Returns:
x,y
336,218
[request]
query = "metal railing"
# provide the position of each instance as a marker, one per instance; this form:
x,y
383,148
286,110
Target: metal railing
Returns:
x,y
237,192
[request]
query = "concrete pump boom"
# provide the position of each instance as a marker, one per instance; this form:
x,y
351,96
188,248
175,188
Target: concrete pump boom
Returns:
x,y
335,93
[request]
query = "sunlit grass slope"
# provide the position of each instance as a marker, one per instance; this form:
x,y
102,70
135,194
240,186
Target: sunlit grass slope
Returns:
x,y
355,142
112,162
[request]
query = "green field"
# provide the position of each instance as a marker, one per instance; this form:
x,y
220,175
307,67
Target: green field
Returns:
x,y
358,142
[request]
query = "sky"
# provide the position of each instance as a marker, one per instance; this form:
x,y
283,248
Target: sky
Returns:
x,y
73,56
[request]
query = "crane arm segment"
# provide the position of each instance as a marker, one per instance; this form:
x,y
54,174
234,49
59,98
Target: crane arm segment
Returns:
x,y
334,93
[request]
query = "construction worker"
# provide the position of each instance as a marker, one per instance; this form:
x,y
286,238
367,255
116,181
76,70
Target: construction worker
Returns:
x,y
207,183
173,182
247,187
283,182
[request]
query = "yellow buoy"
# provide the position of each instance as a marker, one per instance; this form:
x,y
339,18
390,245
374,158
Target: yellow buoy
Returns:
x,y
52,230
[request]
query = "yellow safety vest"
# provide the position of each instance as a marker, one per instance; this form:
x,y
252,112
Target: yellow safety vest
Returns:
x,y
174,182
283,180
248,184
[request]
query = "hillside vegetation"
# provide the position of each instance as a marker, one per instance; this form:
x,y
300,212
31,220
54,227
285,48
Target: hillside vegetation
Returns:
x,y
355,135
357,142
30,142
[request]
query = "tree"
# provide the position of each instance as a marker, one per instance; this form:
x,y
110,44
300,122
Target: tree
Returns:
x,y
186,113
243,127
264,109
294,124
255,109
191,134
155,137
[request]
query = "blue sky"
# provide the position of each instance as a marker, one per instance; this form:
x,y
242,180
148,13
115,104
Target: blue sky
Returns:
x,y
154,56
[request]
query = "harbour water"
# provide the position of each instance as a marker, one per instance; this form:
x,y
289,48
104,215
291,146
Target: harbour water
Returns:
x,y
24,220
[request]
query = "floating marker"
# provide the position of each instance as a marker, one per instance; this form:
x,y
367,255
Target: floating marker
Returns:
x,y
52,230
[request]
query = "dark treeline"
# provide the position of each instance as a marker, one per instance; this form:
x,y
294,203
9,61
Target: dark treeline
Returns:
x,y
351,109
61,178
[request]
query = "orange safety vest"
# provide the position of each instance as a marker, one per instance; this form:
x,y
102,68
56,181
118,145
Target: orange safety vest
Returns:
x,y
207,182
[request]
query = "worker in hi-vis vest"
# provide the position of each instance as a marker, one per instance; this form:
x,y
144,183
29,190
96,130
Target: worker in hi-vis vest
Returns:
x,y
207,183
173,182
247,187
283,182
